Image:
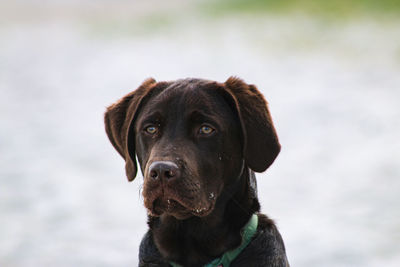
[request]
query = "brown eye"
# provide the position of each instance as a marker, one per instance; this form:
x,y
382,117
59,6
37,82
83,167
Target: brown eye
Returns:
x,y
206,130
151,129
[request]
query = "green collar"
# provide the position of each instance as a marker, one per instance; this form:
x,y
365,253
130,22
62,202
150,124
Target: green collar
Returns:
x,y
248,231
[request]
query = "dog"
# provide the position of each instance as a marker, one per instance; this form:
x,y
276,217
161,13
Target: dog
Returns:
x,y
198,143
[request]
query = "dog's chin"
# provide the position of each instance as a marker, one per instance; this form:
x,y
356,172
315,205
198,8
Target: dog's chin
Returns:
x,y
179,209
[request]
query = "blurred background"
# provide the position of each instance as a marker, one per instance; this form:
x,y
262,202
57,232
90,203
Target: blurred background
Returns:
x,y
329,69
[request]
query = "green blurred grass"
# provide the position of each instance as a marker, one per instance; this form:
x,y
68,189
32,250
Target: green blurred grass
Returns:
x,y
333,8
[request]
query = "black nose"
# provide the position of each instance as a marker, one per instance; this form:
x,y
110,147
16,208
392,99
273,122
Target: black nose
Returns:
x,y
163,170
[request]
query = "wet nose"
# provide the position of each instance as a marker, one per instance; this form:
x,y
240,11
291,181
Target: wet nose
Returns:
x,y
163,170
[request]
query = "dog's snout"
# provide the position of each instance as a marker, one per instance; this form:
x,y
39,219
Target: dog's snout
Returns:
x,y
163,170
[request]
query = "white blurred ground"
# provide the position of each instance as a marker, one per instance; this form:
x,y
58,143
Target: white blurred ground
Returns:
x,y
334,93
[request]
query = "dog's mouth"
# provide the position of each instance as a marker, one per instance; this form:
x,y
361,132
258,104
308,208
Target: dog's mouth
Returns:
x,y
180,195
178,207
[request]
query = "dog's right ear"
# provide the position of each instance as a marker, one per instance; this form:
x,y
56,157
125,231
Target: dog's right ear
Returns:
x,y
118,119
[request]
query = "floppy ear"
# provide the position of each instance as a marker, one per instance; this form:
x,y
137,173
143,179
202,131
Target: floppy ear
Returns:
x,y
118,119
261,145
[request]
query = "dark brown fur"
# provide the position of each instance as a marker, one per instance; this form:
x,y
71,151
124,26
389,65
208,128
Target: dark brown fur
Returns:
x,y
199,187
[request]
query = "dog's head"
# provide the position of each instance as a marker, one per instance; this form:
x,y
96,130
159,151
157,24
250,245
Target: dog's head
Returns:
x,y
193,138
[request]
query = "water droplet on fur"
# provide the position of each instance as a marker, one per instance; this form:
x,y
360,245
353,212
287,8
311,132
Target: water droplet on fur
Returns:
x,y
199,210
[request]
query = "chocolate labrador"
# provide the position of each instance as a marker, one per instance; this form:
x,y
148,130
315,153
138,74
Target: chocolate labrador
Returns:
x,y
198,144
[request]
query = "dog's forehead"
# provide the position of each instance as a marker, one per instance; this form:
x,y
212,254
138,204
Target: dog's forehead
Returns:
x,y
186,95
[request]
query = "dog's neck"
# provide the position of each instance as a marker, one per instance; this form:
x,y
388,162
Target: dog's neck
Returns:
x,y
197,241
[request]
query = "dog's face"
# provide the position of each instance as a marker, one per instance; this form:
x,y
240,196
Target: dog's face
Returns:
x,y
192,138
188,143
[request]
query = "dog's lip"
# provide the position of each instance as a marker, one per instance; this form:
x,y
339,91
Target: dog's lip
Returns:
x,y
175,205
169,206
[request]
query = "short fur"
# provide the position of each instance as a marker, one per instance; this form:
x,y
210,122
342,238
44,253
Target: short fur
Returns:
x,y
199,187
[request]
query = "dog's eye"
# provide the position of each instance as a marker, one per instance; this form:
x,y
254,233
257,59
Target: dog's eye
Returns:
x,y
206,130
151,129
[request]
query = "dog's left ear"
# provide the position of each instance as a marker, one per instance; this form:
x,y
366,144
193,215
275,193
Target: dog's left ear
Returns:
x,y
118,119
261,145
